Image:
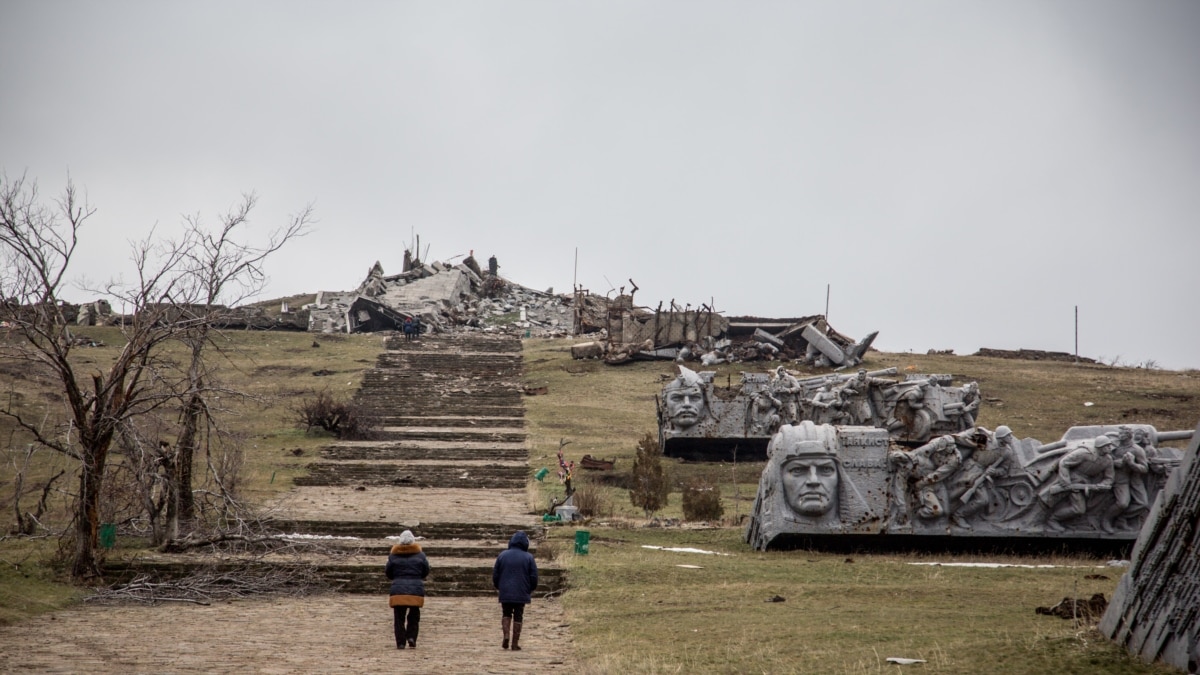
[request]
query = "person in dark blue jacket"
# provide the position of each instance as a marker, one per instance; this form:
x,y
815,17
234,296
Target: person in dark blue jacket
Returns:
x,y
407,567
515,576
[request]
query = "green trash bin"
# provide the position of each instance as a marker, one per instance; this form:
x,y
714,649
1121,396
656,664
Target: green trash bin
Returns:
x,y
108,534
582,539
541,473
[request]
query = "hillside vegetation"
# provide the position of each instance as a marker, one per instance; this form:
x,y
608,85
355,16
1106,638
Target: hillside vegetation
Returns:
x,y
649,610
637,609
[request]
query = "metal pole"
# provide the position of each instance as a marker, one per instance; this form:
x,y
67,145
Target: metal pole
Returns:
x,y
1076,333
575,278
826,303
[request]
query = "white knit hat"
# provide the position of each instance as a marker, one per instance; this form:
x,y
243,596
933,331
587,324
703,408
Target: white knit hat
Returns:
x,y
406,537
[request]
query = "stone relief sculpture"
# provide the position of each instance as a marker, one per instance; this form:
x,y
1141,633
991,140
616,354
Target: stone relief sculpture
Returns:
x,y
764,417
826,405
1130,469
1152,613
685,400
924,471
810,481
788,390
1081,473
858,398
700,420
992,457
1095,483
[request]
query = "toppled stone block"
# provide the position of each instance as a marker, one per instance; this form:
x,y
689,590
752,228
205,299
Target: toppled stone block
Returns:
x,y
587,350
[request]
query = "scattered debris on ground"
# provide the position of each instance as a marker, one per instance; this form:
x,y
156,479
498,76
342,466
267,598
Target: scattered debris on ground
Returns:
x,y
1077,608
1031,355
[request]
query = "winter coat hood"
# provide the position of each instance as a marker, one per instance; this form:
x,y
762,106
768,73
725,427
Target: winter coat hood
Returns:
x,y
405,549
519,540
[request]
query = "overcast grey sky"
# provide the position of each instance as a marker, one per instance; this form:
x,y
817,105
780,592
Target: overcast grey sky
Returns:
x,y
962,173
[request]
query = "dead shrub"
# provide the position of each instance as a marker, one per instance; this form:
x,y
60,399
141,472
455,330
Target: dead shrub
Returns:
x,y
546,550
591,500
344,419
702,501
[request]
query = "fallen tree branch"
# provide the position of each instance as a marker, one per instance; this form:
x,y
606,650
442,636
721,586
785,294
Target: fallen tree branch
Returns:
x,y
207,585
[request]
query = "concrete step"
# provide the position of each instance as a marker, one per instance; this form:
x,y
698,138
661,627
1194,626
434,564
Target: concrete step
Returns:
x,y
465,342
419,450
450,434
431,531
448,576
417,475
407,419
434,548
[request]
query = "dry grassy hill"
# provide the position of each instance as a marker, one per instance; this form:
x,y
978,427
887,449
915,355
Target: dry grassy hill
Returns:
x,y
635,608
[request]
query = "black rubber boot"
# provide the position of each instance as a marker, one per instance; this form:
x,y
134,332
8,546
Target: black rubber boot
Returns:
x,y
516,647
505,625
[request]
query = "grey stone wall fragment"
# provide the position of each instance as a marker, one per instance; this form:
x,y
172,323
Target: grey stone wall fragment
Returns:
x,y
1155,611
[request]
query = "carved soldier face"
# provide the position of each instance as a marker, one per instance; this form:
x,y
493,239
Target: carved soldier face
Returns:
x,y
685,405
810,484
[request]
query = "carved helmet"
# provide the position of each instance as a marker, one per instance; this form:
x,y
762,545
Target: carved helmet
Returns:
x,y
1103,440
807,449
1003,431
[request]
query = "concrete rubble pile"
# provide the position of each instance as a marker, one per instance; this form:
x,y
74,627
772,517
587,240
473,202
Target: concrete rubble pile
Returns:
x,y
442,297
628,333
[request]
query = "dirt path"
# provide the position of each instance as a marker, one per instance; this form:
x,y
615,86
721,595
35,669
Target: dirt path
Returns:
x,y
326,633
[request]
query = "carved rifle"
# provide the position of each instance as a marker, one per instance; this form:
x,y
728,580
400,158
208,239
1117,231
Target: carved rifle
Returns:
x,y
985,478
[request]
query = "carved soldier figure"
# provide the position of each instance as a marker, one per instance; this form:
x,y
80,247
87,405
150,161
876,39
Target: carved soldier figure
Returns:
x,y
992,456
684,398
827,405
812,481
970,401
1156,479
787,389
906,413
923,468
1080,472
1129,481
856,397
764,416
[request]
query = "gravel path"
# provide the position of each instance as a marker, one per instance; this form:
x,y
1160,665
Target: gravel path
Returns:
x,y
325,633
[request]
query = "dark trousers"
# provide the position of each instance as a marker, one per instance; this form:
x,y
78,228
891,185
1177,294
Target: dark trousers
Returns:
x,y
516,610
414,623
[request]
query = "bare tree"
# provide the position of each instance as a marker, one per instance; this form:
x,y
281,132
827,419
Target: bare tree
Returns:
x,y
37,244
220,272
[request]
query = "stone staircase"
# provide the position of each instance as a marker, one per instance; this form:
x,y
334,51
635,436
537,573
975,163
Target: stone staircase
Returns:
x,y
450,464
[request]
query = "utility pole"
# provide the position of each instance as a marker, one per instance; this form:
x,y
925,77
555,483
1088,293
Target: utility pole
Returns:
x,y
1076,333
827,303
